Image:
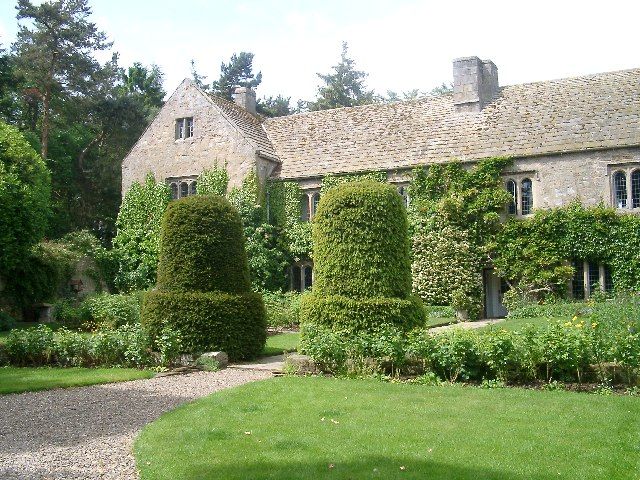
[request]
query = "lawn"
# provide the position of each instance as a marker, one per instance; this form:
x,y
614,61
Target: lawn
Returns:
x,y
15,380
281,343
317,428
514,324
439,321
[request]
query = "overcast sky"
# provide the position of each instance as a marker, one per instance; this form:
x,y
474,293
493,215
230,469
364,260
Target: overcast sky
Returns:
x,y
402,44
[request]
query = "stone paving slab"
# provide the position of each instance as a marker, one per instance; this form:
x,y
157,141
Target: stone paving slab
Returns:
x,y
270,364
471,325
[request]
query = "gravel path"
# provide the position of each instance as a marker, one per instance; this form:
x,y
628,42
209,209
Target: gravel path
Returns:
x,y
88,432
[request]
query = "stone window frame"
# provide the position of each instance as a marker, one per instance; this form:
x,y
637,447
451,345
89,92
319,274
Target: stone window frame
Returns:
x,y
184,128
631,175
585,269
308,203
518,178
403,190
306,272
177,186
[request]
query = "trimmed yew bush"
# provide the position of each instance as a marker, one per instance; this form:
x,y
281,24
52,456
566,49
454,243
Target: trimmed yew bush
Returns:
x,y
203,290
202,247
362,262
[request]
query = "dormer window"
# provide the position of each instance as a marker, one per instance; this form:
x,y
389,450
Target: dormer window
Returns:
x,y
184,128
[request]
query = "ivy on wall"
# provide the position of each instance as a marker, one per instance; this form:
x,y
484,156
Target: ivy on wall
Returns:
x,y
137,241
455,213
285,209
213,182
447,269
534,253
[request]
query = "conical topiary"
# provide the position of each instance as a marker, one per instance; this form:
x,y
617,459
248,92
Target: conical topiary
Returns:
x,y
204,290
362,265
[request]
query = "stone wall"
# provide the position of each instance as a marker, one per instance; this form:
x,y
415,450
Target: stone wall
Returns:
x,y
215,141
559,179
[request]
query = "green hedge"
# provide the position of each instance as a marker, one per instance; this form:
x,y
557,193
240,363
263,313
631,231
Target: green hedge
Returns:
x,y
202,247
361,246
362,262
348,316
209,321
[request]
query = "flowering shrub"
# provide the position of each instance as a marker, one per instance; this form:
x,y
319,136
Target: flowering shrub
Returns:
x,y
582,348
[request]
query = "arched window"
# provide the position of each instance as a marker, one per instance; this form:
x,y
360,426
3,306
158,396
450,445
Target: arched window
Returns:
x,y
193,188
315,200
304,208
620,189
174,191
184,189
527,196
635,189
512,188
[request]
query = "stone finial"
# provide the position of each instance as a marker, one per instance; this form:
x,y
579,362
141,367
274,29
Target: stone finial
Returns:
x,y
246,98
475,83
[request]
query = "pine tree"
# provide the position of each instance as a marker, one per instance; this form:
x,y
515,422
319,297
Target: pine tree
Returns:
x,y
55,55
345,87
237,73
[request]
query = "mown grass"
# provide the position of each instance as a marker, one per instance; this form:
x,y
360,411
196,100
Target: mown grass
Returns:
x,y
16,380
281,343
439,321
326,428
515,324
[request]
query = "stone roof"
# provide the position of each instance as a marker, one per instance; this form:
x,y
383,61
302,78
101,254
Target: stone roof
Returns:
x,y
576,114
249,125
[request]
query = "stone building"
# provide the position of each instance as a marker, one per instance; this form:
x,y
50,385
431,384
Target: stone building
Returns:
x,y
569,138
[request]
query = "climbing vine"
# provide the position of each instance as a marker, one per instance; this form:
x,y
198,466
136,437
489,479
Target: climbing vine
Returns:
x,y
534,253
214,181
138,239
454,215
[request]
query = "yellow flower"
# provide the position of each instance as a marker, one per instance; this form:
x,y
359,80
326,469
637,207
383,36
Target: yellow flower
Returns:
x,y
574,319
568,324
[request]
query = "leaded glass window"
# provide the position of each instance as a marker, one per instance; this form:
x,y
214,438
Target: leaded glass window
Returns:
x,y
304,208
193,188
512,188
184,189
578,279
594,276
315,201
174,191
527,196
635,189
620,189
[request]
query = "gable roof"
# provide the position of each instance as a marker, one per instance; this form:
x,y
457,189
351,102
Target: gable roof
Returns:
x,y
576,114
249,125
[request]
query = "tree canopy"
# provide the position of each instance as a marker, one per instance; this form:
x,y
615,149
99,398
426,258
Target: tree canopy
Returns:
x,y
55,55
237,73
343,87
24,198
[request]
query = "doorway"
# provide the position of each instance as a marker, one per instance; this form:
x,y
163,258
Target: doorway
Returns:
x,y
493,293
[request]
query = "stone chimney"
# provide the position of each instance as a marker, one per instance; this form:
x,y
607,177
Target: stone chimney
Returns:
x,y
475,83
246,98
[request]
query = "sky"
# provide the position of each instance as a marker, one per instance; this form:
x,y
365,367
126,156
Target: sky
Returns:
x,y
401,44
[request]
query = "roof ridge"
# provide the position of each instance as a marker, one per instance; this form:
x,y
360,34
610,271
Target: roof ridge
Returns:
x,y
575,77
